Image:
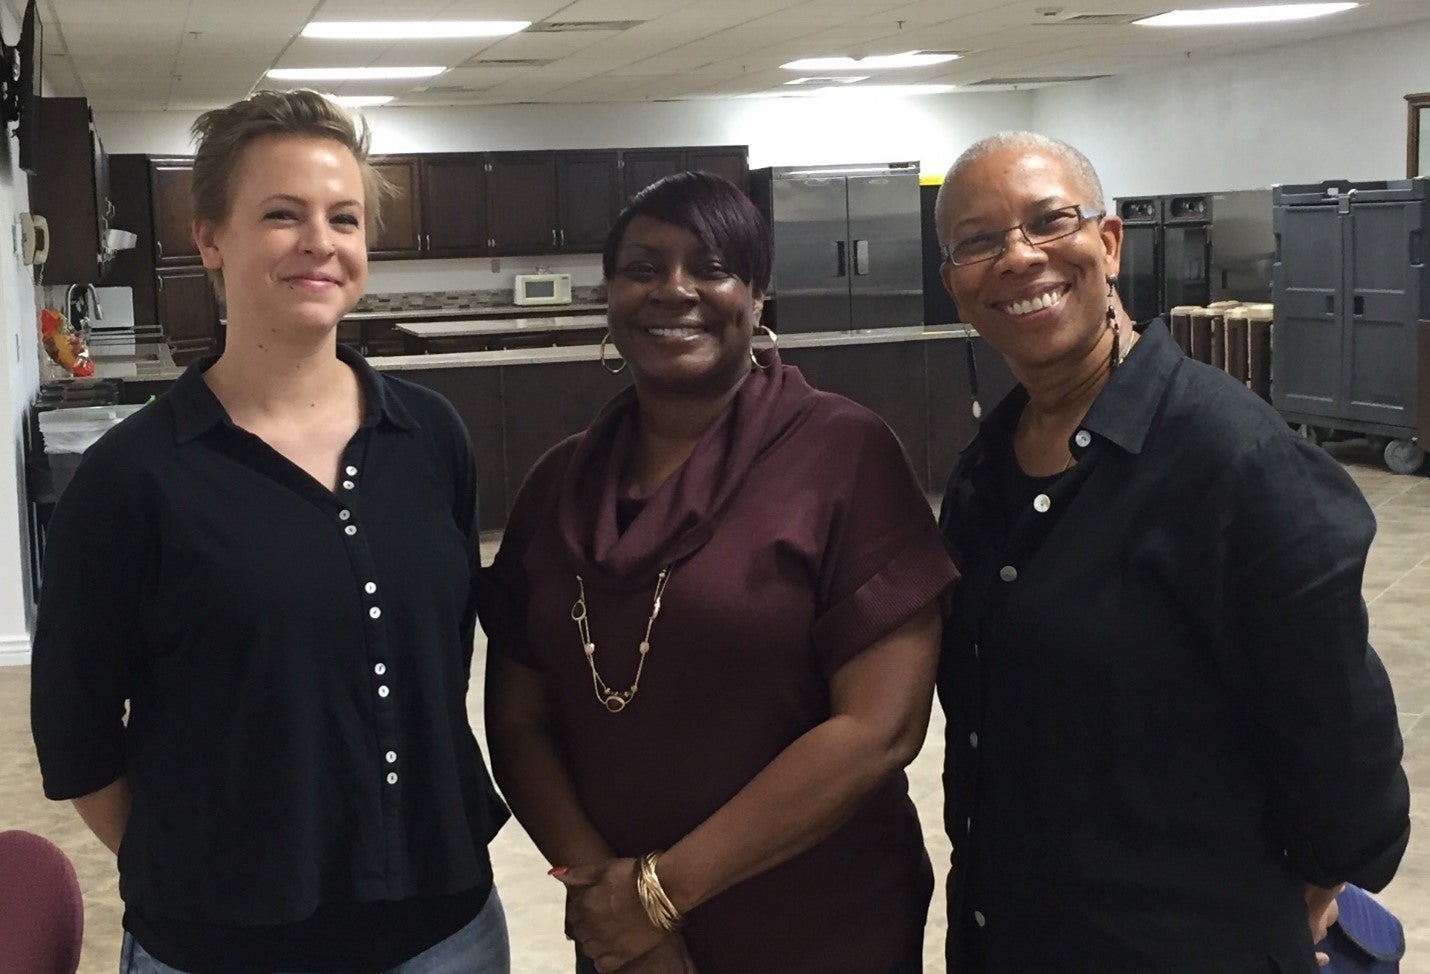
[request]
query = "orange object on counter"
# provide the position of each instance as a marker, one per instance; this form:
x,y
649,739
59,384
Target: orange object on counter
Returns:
x,y
65,345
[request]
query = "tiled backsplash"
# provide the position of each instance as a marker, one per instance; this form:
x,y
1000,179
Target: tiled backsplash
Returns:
x,y
430,300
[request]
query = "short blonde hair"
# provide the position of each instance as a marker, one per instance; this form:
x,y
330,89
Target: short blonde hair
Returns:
x,y
223,133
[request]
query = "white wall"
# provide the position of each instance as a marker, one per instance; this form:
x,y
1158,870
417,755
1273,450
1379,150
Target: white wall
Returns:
x,y
1327,109
19,372
779,131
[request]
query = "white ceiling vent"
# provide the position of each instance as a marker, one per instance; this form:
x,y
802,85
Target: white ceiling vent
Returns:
x,y
571,26
511,62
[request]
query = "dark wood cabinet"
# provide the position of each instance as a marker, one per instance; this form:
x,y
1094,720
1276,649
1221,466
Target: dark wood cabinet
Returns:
x,y
454,206
588,199
641,167
730,161
522,190
171,185
188,312
133,211
71,191
400,233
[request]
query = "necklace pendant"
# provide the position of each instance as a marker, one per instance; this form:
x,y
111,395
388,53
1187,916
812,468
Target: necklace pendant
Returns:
x,y
615,703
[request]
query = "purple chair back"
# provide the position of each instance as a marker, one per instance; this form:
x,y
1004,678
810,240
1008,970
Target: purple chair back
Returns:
x,y
41,909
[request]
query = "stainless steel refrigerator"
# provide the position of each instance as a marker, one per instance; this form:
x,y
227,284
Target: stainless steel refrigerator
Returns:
x,y
848,250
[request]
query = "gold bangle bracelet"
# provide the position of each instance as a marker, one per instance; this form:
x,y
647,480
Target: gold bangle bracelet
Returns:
x,y
657,905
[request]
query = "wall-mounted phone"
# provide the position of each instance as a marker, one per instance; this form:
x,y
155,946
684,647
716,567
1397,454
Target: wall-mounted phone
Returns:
x,y
34,238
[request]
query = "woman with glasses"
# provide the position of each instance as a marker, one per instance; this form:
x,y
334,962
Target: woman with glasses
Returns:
x,y
1168,739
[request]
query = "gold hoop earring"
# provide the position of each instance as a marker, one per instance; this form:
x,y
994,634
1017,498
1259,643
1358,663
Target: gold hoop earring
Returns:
x,y
774,345
602,357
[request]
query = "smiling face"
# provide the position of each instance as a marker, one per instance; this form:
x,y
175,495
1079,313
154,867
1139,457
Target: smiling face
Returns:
x,y
292,248
1037,305
678,315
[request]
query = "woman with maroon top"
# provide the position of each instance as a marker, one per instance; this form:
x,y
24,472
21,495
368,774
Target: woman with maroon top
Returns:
x,y
722,635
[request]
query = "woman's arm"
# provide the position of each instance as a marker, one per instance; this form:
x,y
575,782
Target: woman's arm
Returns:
x,y
530,766
106,812
880,701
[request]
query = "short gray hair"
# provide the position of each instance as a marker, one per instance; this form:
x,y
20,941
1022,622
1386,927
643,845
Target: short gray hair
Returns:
x,y
1058,149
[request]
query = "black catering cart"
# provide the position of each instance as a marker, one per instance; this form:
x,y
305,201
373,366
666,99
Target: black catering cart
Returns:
x,y
1351,286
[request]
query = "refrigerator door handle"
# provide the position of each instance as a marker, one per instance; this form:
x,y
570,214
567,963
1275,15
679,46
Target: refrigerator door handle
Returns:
x,y
1358,305
861,257
839,261
1330,304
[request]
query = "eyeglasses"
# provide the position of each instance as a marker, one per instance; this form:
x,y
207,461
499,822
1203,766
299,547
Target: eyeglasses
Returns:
x,y
1041,229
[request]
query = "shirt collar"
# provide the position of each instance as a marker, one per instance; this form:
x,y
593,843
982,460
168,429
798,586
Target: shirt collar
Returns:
x,y
197,409
1123,410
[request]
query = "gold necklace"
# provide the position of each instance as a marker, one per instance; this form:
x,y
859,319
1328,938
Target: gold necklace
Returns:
x,y
615,700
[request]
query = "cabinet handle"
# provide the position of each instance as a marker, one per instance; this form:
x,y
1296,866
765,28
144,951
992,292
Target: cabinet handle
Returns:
x,y
553,238
861,257
1330,304
1358,305
563,237
839,258
159,282
160,245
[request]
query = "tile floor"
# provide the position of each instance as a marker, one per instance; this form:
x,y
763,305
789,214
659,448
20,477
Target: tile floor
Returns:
x,y
1397,586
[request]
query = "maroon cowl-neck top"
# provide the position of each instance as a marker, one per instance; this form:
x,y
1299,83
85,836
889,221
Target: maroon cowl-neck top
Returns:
x,y
797,538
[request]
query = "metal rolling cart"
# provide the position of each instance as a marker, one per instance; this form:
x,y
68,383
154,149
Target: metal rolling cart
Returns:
x,y
1350,353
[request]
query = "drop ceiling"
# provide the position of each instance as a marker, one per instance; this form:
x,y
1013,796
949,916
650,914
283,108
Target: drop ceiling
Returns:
x,y
136,55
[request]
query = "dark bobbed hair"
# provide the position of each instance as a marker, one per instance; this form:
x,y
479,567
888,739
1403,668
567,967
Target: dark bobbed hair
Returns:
x,y
715,211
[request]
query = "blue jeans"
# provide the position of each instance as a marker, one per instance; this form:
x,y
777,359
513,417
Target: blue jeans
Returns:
x,y
481,947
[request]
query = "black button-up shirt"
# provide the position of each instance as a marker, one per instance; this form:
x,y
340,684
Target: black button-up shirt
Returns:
x,y
295,662
1163,713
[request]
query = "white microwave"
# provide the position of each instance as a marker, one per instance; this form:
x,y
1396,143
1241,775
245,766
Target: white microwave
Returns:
x,y
541,289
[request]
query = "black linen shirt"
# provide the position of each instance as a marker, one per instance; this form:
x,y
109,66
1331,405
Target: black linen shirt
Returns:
x,y
1163,715
295,662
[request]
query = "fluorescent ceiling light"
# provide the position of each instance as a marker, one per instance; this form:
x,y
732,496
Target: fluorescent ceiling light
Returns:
x,y
847,79
909,59
362,101
409,30
1221,16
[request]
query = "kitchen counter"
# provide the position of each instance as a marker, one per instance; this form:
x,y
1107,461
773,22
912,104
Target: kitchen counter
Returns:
x,y
499,326
477,311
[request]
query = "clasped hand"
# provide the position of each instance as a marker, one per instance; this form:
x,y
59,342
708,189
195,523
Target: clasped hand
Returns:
x,y
605,918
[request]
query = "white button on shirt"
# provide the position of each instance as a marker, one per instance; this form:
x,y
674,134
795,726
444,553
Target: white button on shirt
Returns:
x,y
375,612
1082,438
1042,503
380,669
370,588
350,471
391,757
973,739
350,530
383,691
392,780
348,485
1008,573
979,918
345,515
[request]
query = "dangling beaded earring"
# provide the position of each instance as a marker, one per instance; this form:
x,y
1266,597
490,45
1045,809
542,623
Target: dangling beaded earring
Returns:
x,y
1114,325
976,406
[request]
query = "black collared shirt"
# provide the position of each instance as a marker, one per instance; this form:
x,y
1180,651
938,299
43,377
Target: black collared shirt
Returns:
x,y
1163,713
295,662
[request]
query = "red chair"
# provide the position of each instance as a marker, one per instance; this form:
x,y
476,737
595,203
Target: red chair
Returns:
x,y
41,909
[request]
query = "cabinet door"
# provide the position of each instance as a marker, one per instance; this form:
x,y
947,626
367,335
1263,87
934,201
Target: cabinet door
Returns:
x,y
641,167
588,199
1308,340
63,189
730,161
454,206
171,183
188,313
400,233
133,268
522,190
1381,310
